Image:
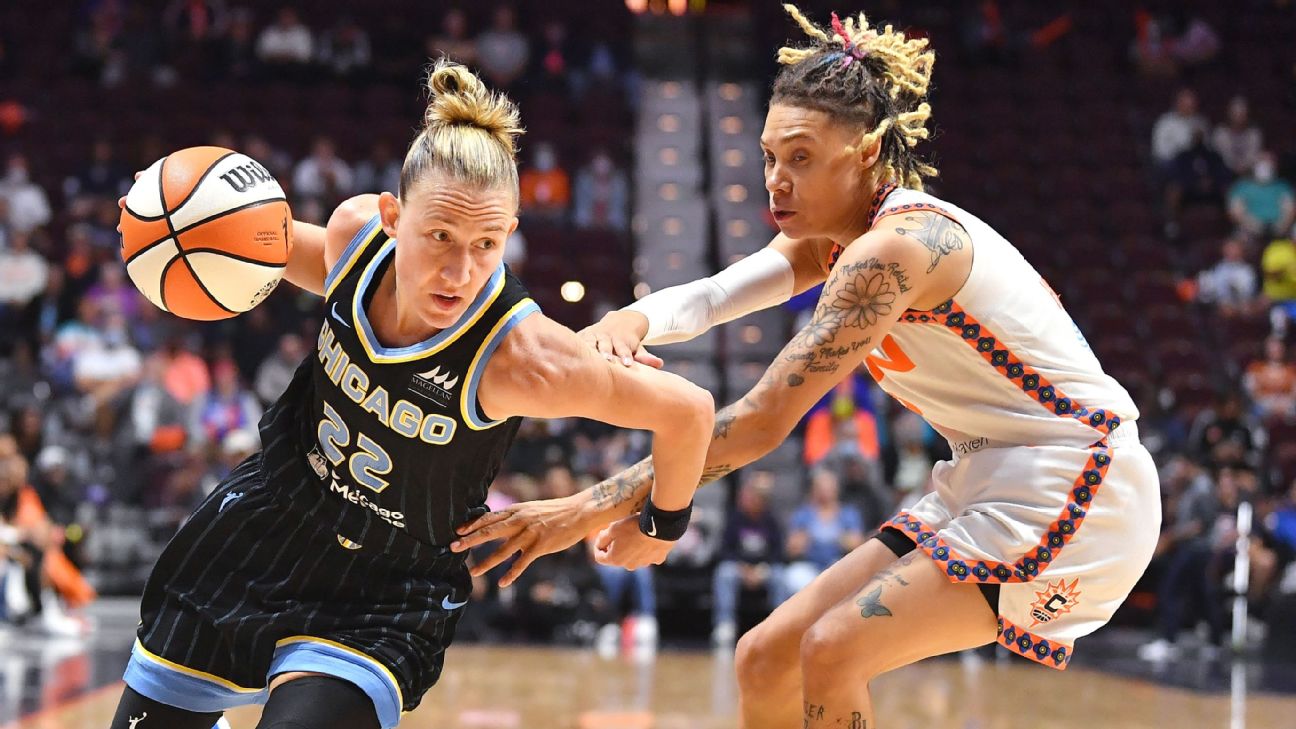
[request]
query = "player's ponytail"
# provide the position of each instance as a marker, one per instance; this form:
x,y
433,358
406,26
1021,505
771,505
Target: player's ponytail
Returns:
x,y
877,78
468,132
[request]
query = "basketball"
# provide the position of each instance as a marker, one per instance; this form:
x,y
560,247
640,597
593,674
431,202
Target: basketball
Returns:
x,y
206,233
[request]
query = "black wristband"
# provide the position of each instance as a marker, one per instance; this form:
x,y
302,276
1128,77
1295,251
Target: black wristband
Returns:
x,y
667,526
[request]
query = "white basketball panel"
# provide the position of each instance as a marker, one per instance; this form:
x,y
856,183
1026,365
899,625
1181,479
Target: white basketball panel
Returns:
x,y
234,182
146,268
236,285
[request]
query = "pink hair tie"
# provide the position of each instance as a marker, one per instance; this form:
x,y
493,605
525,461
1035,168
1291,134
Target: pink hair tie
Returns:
x,y
853,52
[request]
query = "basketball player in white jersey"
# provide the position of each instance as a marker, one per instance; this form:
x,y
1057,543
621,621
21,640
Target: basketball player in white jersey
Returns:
x,y
1047,514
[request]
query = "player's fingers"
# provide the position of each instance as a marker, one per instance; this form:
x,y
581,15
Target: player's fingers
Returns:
x,y
528,556
488,533
488,519
644,357
121,202
495,558
624,351
603,540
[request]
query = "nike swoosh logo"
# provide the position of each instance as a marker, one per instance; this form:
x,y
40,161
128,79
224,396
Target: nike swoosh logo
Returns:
x,y
446,604
652,527
340,319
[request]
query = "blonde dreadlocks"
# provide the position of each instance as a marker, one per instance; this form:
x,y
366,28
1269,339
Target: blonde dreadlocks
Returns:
x,y
863,75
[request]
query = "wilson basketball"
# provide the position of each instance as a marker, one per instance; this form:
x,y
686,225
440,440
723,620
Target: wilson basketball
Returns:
x,y
206,233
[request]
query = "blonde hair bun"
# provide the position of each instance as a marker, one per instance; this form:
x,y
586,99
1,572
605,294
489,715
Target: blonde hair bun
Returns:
x,y
459,98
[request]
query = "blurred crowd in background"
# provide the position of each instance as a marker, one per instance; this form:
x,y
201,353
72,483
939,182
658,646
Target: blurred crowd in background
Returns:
x,y
117,419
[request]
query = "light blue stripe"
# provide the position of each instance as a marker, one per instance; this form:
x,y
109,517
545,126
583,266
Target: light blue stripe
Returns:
x,y
325,659
183,691
363,319
347,252
474,377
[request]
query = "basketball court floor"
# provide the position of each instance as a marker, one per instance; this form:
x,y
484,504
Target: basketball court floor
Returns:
x,y
74,684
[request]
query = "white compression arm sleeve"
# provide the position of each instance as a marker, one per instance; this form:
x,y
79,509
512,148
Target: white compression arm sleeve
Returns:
x,y
679,313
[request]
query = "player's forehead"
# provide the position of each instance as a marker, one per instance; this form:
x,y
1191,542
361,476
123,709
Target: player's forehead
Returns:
x,y
787,123
440,200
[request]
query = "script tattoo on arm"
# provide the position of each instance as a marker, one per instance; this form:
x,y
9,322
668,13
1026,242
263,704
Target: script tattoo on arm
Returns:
x,y
865,293
938,233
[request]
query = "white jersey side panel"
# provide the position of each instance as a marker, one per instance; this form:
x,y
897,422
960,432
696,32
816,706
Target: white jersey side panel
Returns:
x,y
1002,360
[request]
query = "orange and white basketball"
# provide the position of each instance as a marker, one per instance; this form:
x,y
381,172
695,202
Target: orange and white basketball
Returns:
x,y
206,233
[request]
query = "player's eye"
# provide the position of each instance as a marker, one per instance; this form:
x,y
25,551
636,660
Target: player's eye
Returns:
x,y
440,235
487,244
769,159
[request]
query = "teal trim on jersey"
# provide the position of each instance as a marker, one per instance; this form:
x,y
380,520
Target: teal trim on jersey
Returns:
x,y
442,339
347,258
468,405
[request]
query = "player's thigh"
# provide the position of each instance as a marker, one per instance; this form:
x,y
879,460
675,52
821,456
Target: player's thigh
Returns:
x,y
778,637
909,612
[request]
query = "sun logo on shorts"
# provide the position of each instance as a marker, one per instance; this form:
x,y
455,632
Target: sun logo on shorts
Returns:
x,y
1054,601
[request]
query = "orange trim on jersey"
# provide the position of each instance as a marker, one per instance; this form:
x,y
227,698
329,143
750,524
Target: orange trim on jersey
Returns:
x,y
913,208
879,196
1031,565
1026,644
956,319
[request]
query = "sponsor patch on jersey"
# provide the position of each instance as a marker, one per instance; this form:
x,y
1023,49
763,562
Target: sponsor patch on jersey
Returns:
x,y
1054,601
434,385
317,463
347,543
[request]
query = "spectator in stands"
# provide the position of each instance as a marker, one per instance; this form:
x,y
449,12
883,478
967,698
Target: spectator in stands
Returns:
x,y
110,366
228,406
1224,435
185,374
1196,176
323,174
551,59
28,204
345,50
821,531
1271,382
544,186
601,195
1189,548
113,293
104,177
454,42
515,252
1230,285
1173,132
24,274
1237,140
859,474
750,556
502,51
276,371
157,420
194,29
1262,204
238,51
287,46
1278,266
380,172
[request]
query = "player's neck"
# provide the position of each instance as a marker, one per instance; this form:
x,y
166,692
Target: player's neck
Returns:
x,y
396,326
859,220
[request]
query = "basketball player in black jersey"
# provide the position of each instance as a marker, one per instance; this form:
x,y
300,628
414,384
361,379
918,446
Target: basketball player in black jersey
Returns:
x,y
317,577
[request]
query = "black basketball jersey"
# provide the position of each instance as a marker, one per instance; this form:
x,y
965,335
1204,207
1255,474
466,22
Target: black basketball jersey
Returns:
x,y
391,443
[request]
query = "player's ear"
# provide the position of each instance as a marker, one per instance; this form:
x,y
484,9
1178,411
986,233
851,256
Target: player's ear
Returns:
x,y
389,212
869,154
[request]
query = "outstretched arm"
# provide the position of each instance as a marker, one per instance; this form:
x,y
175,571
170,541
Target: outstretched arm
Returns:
x,y
679,313
877,278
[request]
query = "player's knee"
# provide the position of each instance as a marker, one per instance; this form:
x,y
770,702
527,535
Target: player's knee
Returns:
x,y
762,654
834,646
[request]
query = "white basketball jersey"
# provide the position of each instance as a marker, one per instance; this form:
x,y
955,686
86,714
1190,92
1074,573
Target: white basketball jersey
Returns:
x,y
1001,363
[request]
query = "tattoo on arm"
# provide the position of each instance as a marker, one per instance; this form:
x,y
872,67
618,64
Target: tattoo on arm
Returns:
x,y
938,233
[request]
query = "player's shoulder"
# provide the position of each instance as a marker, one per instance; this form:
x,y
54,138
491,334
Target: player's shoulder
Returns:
x,y
347,220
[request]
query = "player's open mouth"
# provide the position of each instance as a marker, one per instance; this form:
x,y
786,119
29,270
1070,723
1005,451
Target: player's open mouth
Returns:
x,y
445,302
782,215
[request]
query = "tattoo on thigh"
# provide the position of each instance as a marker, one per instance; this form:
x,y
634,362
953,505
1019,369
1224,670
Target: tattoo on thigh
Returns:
x,y
891,572
857,721
871,605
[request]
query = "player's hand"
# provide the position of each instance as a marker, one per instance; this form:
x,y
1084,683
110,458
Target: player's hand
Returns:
x,y
121,202
533,528
619,336
622,545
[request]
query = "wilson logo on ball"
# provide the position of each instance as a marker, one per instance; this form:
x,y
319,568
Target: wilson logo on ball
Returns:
x,y
247,176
